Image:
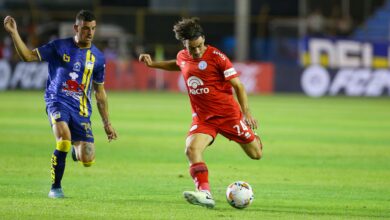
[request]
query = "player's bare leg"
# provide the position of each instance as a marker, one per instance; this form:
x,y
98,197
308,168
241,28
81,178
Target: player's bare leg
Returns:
x,y
195,145
62,134
84,152
254,149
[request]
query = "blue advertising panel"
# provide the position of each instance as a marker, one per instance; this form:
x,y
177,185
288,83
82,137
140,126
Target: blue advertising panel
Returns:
x,y
341,66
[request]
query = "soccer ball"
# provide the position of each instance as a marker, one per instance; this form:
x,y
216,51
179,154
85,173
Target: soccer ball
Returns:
x,y
239,194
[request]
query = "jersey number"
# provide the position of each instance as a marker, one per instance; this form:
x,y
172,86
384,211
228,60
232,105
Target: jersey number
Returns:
x,y
238,128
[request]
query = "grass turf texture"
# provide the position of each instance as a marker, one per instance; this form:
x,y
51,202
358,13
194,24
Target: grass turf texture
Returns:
x,y
325,158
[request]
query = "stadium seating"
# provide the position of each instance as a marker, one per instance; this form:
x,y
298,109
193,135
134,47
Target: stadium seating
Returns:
x,y
376,27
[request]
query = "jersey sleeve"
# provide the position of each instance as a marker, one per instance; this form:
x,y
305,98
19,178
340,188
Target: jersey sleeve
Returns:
x,y
47,52
226,67
178,58
98,75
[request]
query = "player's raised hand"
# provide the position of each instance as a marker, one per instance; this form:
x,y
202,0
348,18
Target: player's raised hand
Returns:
x,y
10,24
110,131
250,121
145,58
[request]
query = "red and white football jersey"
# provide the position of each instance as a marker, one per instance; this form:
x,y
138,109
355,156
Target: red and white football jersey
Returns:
x,y
207,81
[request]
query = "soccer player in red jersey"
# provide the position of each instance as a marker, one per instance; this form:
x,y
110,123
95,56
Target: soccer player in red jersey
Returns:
x,y
209,77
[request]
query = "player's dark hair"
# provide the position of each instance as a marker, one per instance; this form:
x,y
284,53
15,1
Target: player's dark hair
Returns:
x,y
85,15
188,29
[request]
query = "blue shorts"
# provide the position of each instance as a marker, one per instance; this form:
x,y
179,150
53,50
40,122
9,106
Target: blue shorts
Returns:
x,y
79,126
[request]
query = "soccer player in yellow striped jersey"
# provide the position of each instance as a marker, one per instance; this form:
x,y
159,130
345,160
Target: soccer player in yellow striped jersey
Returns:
x,y
75,66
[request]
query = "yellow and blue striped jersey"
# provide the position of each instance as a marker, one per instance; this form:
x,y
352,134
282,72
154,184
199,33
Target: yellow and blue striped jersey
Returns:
x,y
71,72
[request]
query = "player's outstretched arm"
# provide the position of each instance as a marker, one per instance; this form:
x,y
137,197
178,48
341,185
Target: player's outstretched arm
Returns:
x,y
102,104
24,53
169,65
243,100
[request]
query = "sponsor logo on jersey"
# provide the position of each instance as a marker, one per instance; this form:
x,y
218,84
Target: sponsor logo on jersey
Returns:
x,y
229,72
71,87
55,115
66,58
193,128
195,86
89,65
77,67
202,65
219,54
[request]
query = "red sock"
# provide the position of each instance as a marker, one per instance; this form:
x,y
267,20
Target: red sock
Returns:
x,y
200,175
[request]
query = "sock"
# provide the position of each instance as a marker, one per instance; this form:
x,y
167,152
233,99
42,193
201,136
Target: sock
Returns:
x,y
58,163
200,175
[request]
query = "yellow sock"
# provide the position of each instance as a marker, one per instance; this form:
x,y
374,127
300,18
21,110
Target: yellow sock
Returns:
x,y
63,145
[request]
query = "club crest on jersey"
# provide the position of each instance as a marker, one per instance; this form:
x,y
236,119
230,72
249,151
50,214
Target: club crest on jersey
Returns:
x,y
202,65
77,67
195,86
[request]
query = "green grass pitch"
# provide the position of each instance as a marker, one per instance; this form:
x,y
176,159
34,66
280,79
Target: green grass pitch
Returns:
x,y
326,158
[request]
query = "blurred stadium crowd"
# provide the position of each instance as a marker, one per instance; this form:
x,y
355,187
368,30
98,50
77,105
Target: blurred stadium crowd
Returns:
x,y
285,38
130,27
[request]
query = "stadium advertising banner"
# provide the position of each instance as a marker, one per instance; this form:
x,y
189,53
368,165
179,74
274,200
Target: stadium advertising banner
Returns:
x,y
340,66
22,75
257,77
133,75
